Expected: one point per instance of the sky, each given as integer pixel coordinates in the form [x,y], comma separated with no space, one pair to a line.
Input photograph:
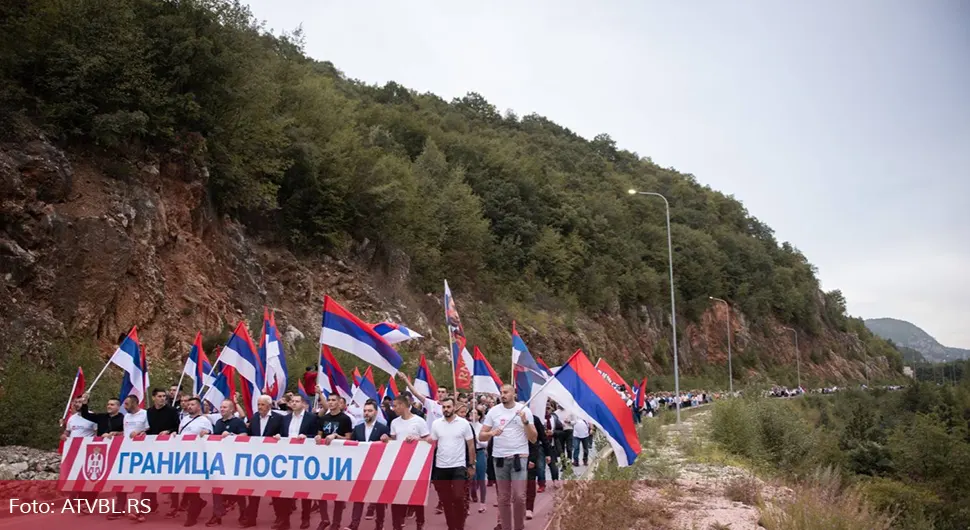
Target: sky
[845,126]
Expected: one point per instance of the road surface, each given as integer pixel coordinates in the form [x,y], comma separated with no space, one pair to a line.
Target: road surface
[476,521]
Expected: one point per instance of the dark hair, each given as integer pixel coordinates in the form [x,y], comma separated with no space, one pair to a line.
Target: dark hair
[156,391]
[196,399]
[371,402]
[309,368]
[386,398]
[402,399]
[115,399]
[343,400]
[447,398]
[132,396]
[121,338]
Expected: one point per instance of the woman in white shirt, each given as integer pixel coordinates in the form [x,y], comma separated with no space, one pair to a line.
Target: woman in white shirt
[479,483]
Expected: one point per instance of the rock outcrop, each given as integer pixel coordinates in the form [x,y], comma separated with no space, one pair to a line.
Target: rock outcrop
[90,247]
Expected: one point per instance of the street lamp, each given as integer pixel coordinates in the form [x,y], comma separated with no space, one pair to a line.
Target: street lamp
[730,371]
[673,307]
[798,360]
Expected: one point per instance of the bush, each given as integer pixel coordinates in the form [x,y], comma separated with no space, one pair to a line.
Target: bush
[745,489]
[823,503]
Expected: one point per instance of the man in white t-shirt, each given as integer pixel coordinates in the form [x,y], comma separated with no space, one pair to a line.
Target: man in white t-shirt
[454,462]
[77,426]
[581,438]
[410,428]
[510,424]
[196,423]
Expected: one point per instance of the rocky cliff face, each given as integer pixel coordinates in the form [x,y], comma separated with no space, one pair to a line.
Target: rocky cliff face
[90,247]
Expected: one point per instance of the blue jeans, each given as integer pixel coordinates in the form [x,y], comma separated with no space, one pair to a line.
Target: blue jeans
[479,485]
[584,443]
[541,467]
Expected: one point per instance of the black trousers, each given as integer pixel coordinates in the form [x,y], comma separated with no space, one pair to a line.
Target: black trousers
[358,514]
[530,487]
[450,483]
[399,512]
[338,512]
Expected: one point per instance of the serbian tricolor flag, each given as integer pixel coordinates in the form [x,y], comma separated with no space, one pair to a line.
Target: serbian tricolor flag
[271,350]
[131,358]
[461,360]
[642,393]
[395,333]
[302,391]
[366,389]
[528,375]
[341,329]
[197,366]
[390,391]
[331,377]
[580,389]
[544,366]
[240,353]
[612,377]
[424,382]
[223,385]
[485,379]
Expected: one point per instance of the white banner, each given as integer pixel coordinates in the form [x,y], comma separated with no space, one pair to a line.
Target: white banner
[395,472]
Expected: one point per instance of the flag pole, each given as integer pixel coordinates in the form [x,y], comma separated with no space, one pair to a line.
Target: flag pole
[70,398]
[96,379]
[451,343]
[512,375]
[181,377]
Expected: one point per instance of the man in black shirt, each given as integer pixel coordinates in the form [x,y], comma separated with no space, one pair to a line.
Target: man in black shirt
[163,419]
[109,423]
[227,424]
[334,424]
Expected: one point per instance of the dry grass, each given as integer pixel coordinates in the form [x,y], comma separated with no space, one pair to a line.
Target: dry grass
[745,489]
[608,504]
[822,503]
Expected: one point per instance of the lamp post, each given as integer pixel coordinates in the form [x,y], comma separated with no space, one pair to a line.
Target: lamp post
[730,371]
[798,360]
[673,307]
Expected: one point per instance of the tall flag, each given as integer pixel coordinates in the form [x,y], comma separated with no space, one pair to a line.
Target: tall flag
[613,378]
[341,329]
[636,394]
[528,375]
[424,382]
[223,385]
[580,389]
[77,390]
[302,391]
[197,366]
[642,393]
[271,348]
[240,353]
[330,377]
[485,379]
[395,333]
[365,388]
[544,366]
[130,357]
[390,391]
[461,360]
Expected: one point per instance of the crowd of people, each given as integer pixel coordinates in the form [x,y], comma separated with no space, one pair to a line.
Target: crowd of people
[486,446]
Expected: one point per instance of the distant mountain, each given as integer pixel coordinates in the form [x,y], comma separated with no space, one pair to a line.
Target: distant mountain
[908,335]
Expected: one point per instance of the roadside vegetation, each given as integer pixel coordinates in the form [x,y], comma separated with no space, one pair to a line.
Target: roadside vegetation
[855,460]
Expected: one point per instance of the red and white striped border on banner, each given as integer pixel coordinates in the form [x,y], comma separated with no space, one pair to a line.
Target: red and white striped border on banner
[407,477]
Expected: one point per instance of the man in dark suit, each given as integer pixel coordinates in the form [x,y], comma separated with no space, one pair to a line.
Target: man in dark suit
[370,430]
[299,423]
[264,423]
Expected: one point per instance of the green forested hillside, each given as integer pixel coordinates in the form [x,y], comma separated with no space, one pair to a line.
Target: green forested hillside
[511,207]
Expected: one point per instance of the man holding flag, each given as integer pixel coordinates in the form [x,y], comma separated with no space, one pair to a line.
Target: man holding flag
[510,425]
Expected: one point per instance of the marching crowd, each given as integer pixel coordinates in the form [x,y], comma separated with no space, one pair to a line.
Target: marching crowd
[484,446]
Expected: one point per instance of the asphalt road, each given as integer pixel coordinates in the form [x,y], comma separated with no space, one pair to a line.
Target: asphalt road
[476,521]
